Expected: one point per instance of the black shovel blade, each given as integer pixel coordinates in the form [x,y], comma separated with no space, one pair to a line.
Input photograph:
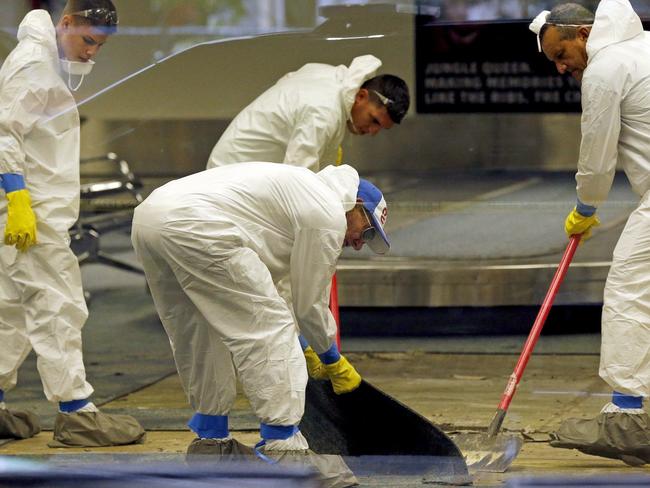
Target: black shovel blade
[368,422]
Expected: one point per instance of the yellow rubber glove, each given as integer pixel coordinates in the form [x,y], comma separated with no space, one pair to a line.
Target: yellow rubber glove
[343,376]
[315,367]
[21,221]
[579,224]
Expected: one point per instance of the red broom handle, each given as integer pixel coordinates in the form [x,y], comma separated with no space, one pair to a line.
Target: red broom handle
[536,330]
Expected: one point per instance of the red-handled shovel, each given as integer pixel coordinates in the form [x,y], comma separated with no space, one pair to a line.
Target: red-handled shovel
[493,452]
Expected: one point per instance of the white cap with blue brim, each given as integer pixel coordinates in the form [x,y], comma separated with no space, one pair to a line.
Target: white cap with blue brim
[375,204]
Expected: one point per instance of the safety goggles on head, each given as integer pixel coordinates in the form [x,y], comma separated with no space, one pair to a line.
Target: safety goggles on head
[541,20]
[369,233]
[102,15]
[385,101]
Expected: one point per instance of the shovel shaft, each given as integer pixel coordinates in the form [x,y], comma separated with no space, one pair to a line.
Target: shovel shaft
[497,420]
[536,330]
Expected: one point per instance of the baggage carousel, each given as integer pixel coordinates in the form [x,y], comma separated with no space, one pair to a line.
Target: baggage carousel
[481,239]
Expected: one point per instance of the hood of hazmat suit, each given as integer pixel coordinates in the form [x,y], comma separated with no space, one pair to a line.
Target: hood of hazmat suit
[615,105]
[301,120]
[39,128]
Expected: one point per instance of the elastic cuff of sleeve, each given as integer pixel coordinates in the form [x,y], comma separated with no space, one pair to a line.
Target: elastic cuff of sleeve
[303,342]
[12,182]
[331,355]
[626,401]
[209,426]
[73,405]
[584,209]
[277,432]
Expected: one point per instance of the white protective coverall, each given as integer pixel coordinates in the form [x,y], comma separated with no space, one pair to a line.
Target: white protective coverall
[301,120]
[41,299]
[213,245]
[616,129]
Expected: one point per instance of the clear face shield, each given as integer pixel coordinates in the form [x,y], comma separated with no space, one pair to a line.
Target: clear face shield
[369,233]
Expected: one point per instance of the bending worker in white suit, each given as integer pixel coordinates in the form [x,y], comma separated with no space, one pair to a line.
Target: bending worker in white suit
[302,119]
[609,53]
[42,303]
[213,245]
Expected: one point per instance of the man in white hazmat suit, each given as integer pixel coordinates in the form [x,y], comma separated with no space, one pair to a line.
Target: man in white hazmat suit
[41,299]
[610,55]
[302,119]
[213,245]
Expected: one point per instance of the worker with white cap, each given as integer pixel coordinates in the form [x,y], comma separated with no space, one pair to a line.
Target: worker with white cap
[213,246]
[609,53]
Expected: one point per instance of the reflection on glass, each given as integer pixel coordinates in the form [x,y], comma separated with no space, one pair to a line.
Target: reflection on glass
[184,23]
